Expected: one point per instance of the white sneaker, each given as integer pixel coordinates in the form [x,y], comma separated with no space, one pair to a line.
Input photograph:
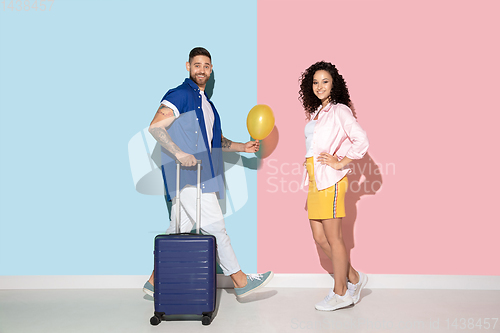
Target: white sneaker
[333,301]
[355,289]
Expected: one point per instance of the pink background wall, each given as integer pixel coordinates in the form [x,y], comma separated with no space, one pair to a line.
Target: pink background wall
[423,77]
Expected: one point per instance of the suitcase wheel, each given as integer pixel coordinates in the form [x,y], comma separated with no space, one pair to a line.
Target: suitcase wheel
[206,319]
[155,320]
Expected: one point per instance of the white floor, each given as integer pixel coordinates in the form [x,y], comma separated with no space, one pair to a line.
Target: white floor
[270,310]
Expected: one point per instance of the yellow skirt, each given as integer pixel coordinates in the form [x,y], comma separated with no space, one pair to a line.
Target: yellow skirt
[327,203]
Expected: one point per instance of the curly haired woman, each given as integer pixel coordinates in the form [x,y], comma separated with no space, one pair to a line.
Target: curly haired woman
[333,139]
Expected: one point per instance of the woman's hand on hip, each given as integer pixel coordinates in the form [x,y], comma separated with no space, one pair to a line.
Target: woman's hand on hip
[331,160]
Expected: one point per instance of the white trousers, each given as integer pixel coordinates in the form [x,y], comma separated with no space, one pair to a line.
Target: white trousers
[212,222]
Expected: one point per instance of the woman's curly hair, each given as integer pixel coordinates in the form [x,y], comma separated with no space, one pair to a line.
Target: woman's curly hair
[339,93]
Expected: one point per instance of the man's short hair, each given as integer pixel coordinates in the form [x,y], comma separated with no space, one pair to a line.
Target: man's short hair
[199,51]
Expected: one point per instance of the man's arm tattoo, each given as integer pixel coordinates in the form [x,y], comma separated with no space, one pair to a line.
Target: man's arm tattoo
[167,112]
[226,143]
[161,135]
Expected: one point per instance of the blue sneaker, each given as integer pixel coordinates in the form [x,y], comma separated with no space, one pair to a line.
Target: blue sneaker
[149,289]
[254,282]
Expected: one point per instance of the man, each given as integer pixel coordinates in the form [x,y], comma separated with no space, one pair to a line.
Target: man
[188,128]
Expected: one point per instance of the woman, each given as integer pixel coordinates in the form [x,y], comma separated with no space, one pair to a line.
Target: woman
[333,139]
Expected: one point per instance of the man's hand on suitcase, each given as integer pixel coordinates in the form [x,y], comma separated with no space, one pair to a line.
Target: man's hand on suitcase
[186,159]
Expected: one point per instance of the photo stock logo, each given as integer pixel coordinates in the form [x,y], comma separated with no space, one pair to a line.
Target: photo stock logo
[365,176]
[145,165]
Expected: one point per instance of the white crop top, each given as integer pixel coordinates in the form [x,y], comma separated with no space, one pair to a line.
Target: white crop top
[309,132]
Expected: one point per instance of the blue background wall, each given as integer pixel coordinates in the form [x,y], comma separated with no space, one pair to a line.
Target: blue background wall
[77,83]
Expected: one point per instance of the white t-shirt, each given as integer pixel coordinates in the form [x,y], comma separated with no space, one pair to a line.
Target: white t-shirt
[208,113]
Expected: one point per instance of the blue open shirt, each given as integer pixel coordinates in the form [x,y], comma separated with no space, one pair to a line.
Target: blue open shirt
[188,132]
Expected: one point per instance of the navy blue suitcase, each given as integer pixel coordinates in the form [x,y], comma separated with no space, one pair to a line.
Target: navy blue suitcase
[185,272]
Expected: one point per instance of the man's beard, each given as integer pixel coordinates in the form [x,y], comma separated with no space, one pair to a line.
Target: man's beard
[198,81]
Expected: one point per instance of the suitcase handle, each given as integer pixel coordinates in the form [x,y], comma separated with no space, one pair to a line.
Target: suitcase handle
[198,197]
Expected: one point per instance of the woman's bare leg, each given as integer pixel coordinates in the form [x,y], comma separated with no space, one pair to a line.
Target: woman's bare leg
[333,233]
[320,238]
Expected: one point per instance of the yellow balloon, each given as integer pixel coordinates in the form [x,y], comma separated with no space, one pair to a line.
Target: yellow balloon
[260,121]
